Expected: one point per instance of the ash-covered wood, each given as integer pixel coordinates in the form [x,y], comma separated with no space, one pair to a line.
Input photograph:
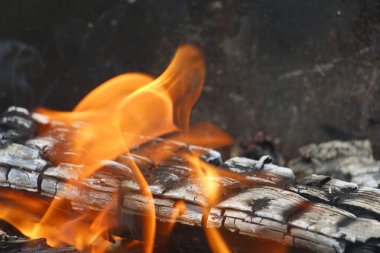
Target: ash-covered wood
[16,125]
[323,214]
[362,201]
[261,202]
[347,160]
[263,167]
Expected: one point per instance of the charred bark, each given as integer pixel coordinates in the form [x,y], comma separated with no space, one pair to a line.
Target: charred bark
[263,207]
[320,215]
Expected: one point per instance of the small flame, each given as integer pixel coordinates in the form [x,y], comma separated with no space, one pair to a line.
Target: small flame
[109,122]
[208,173]
[179,208]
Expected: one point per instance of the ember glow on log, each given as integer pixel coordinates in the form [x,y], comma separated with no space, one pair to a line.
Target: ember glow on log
[123,113]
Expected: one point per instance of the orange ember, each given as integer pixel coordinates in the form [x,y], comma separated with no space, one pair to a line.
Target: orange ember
[107,123]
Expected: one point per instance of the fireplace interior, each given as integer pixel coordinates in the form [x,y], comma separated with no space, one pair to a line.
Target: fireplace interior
[285,157]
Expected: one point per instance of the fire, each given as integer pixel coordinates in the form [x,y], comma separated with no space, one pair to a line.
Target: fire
[109,122]
[140,106]
[208,173]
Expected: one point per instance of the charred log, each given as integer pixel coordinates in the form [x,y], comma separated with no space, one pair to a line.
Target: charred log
[322,215]
[261,206]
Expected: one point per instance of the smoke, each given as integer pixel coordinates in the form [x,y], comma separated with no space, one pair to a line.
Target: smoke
[20,67]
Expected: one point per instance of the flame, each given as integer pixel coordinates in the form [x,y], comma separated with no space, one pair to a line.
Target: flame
[179,208]
[109,122]
[208,173]
[24,211]
[152,109]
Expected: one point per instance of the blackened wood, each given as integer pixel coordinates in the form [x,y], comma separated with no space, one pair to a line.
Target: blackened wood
[16,124]
[260,201]
[321,215]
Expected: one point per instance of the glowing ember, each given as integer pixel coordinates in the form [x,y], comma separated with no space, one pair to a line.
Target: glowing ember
[107,123]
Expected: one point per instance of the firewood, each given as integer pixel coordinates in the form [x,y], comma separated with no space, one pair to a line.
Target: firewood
[321,214]
[259,203]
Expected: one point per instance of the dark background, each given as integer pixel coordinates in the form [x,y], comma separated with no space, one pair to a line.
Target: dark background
[302,71]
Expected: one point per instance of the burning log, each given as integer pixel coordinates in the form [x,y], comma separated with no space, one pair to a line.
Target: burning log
[262,203]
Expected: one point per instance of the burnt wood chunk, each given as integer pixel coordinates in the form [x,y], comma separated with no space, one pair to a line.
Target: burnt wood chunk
[361,201]
[16,124]
[23,179]
[262,168]
[21,156]
[346,160]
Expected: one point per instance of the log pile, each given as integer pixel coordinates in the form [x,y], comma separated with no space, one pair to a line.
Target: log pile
[263,205]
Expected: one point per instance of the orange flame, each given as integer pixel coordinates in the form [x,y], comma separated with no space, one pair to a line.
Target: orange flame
[109,122]
[148,108]
[208,173]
